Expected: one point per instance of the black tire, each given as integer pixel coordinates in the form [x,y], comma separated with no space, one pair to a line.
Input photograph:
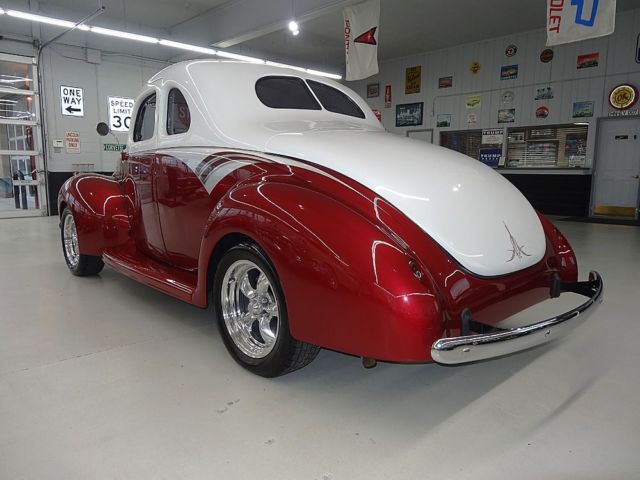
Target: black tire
[287,354]
[86,264]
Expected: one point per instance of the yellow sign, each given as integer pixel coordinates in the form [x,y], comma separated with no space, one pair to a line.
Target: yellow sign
[413,80]
[623,96]
[474,67]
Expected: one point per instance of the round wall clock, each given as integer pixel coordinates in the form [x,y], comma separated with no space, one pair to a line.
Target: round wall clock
[623,96]
[511,50]
[546,55]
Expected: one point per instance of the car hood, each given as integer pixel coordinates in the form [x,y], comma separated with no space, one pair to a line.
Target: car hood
[473,212]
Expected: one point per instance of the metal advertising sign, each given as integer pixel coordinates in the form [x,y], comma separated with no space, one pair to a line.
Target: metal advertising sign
[72,142]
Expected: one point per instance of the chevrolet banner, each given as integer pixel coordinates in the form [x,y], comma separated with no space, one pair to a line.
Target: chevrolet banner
[575,20]
[361,39]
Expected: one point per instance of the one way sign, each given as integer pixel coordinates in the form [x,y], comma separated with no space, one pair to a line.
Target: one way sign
[72,101]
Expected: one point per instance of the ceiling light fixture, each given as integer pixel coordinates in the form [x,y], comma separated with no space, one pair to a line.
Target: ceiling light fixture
[235,56]
[41,19]
[186,46]
[127,35]
[294,28]
[168,43]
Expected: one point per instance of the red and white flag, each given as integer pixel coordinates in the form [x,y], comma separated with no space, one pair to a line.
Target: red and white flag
[575,20]
[361,23]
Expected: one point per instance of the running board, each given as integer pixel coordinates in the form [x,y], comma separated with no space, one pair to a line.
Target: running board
[172,281]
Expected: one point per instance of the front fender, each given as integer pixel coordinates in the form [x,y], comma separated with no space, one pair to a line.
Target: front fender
[99,210]
[348,285]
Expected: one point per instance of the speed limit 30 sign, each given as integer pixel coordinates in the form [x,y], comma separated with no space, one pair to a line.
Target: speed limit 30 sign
[120,110]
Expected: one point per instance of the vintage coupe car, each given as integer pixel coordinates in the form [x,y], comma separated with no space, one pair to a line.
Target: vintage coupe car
[276,197]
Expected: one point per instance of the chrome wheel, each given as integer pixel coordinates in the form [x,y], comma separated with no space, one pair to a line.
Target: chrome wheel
[250,309]
[70,241]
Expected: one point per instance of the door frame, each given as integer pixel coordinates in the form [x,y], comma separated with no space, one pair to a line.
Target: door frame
[418,130]
[594,167]
[40,182]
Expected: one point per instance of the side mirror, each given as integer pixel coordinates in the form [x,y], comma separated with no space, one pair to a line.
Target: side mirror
[102,129]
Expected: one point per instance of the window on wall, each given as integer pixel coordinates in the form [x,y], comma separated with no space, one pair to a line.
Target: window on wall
[146,119]
[555,146]
[464,141]
[178,115]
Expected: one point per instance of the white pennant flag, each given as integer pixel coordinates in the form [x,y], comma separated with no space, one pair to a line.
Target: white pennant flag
[361,23]
[574,20]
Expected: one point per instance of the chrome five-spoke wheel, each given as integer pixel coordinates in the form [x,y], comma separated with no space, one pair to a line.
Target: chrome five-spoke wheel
[252,313]
[70,241]
[250,309]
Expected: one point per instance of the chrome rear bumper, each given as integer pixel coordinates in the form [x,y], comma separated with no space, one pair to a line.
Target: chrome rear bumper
[471,348]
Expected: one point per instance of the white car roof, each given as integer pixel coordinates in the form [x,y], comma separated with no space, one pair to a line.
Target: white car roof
[226,111]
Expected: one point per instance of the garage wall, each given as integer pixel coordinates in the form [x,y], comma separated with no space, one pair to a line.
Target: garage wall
[617,64]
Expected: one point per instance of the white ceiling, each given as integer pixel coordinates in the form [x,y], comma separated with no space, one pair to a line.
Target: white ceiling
[406,26]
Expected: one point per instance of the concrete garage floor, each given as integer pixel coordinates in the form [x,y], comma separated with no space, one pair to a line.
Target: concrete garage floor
[104,378]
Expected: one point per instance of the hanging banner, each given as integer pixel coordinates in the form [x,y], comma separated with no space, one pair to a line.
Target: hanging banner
[575,20]
[361,39]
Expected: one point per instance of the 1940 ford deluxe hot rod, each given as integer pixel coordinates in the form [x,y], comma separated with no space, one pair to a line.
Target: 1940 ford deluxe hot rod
[277,198]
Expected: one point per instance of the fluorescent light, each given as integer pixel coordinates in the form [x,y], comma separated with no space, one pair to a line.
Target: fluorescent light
[235,56]
[84,28]
[186,46]
[284,65]
[295,33]
[1,11]
[323,74]
[39,18]
[581,123]
[127,35]
[293,25]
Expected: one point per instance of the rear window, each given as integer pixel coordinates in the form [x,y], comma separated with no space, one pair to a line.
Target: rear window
[285,92]
[334,100]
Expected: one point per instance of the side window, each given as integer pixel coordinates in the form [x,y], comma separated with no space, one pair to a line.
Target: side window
[334,100]
[178,115]
[146,120]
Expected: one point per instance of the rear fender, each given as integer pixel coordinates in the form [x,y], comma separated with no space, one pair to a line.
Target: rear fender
[99,210]
[349,286]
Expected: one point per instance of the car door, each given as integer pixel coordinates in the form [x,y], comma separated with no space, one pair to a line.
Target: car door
[140,185]
[183,203]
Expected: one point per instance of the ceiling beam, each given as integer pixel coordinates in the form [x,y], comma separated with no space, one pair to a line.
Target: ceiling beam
[239,21]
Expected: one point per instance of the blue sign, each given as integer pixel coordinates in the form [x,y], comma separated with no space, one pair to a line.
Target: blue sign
[490,156]
[587,22]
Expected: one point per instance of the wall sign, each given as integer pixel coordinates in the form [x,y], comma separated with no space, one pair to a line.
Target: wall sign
[445,82]
[473,101]
[443,120]
[72,142]
[120,110]
[546,55]
[409,114]
[508,72]
[545,93]
[387,96]
[493,136]
[113,147]
[511,50]
[507,97]
[72,101]
[582,109]
[506,115]
[623,96]
[474,67]
[413,80]
[542,112]
[490,156]
[472,118]
[373,90]
[588,60]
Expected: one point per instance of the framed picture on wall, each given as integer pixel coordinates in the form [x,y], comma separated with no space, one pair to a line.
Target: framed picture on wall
[373,90]
[409,114]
